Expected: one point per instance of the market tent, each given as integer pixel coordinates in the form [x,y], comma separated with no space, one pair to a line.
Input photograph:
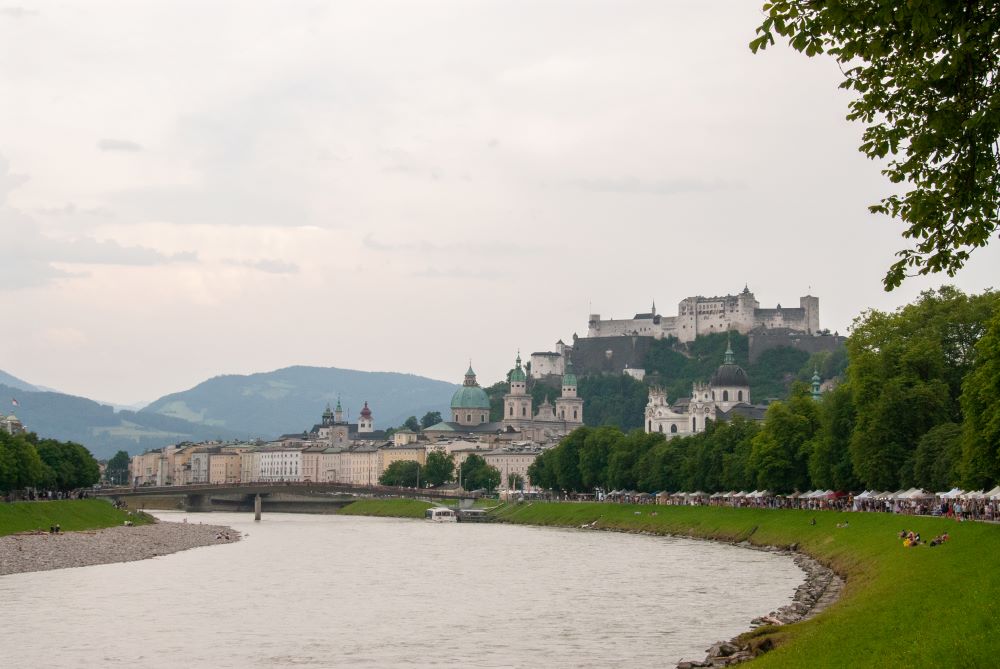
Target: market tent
[993,494]
[951,494]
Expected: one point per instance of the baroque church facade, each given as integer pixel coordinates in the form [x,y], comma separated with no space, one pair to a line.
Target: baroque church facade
[727,394]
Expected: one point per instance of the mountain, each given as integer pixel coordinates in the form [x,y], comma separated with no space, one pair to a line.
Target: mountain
[292,399]
[12,381]
[99,427]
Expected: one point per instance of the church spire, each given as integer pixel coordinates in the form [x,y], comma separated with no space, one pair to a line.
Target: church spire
[730,357]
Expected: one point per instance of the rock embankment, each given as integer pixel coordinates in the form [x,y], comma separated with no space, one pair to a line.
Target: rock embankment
[42,551]
[820,589]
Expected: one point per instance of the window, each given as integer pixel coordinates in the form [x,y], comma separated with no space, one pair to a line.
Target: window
[694,423]
[661,429]
[673,428]
[511,409]
[468,418]
[725,395]
[574,414]
[524,411]
[739,396]
[649,426]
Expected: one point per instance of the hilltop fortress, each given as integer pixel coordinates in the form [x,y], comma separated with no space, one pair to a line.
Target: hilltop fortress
[707,315]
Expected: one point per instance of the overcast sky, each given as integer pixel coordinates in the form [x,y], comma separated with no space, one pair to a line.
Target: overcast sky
[189,189]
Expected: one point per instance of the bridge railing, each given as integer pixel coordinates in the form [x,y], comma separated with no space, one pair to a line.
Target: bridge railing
[282,485]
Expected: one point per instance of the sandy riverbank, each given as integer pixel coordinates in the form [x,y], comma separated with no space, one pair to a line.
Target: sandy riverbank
[40,552]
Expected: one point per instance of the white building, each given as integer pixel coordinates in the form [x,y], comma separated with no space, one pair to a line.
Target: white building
[726,395]
[283,464]
[707,315]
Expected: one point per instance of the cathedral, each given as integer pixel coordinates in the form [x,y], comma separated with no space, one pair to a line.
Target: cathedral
[727,394]
[470,410]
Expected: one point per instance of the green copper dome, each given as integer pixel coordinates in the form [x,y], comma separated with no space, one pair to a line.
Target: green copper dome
[569,378]
[470,397]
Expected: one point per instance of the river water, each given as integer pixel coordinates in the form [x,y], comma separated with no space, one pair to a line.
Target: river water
[335,591]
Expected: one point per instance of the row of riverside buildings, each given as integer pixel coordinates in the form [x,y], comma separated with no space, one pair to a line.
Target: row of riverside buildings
[338,451]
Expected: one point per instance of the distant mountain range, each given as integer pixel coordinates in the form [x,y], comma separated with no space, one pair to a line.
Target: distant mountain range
[293,399]
[261,405]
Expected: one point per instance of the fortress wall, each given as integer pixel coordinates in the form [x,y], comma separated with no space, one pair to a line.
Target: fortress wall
[597,355]
[764,341]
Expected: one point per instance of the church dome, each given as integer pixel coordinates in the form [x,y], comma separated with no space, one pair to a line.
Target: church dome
[470,397]
[517,374]
[730,375]
[366,412]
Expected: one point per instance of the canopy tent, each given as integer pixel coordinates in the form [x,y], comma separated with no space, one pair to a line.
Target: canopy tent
[951,494]
[993,494]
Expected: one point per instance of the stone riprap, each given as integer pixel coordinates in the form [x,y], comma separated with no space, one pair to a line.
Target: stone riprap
[41,552]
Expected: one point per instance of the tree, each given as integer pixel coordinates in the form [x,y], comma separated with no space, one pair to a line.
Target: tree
[440,468]
[938,458]
[20,466]
[981,407]
[401,473]
[927,75]
[515,482]
[117,469]
[780,451]
[906,372]
[478,475]
[430,418]
[830,464]
[412,424]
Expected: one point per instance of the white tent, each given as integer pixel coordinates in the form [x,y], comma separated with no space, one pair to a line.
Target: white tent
[951,494]
[993,494]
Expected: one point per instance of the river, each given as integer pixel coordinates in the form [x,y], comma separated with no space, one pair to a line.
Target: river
[335,591]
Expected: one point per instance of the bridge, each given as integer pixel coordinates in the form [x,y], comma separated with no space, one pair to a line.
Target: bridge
[284,496]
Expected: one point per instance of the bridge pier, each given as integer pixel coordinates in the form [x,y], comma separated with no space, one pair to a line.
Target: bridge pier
[256,507]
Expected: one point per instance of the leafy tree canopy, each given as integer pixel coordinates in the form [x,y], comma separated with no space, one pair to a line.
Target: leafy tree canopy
[430,418]
[401,473]
[440,468]
[927,78]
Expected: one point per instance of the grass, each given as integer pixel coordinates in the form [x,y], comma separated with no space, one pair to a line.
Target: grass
[912,607]
[397,508]
[70,515]
[917,607]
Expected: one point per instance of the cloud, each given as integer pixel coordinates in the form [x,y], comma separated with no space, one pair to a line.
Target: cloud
[71,209]
[29,256]
[492,248]
[17,12]
[118,145]
[631,185]
[457,273]
[267,265]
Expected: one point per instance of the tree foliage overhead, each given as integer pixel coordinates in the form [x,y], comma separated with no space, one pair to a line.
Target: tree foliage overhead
[927,78]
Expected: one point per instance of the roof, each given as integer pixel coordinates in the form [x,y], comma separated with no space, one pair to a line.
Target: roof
[749,411]
[550,354]
[451,426]
[730,375]
[470,397]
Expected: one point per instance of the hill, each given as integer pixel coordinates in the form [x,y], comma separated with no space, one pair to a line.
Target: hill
[12,381]
[292,399]
[100,428]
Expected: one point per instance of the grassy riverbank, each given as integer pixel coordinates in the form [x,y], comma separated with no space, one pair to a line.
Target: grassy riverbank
[916,607]
[70,515]
[396,508]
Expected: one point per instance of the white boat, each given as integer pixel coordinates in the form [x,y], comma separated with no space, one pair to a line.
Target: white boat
[439,514]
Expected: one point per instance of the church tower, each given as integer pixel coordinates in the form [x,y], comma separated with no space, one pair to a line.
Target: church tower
[366,423]
[816,392]
[338,414]
[328,416]
[517,407]
[569,407]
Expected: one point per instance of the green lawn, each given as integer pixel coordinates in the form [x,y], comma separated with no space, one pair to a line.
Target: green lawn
[901,607]
[71,515]
[397,508]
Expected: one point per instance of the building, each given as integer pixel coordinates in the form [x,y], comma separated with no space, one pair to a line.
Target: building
[512,462]
[280,464]
[727,394]
[11,425]
[224,467]
[550,422]
[707,315]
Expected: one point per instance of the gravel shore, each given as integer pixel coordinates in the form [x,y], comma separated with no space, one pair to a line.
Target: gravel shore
[40,552]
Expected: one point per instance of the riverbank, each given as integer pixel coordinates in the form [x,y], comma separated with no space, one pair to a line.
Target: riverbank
[70,515]
[899,606]
[91,532]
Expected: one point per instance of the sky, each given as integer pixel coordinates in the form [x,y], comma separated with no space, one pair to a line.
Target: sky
[190,189]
